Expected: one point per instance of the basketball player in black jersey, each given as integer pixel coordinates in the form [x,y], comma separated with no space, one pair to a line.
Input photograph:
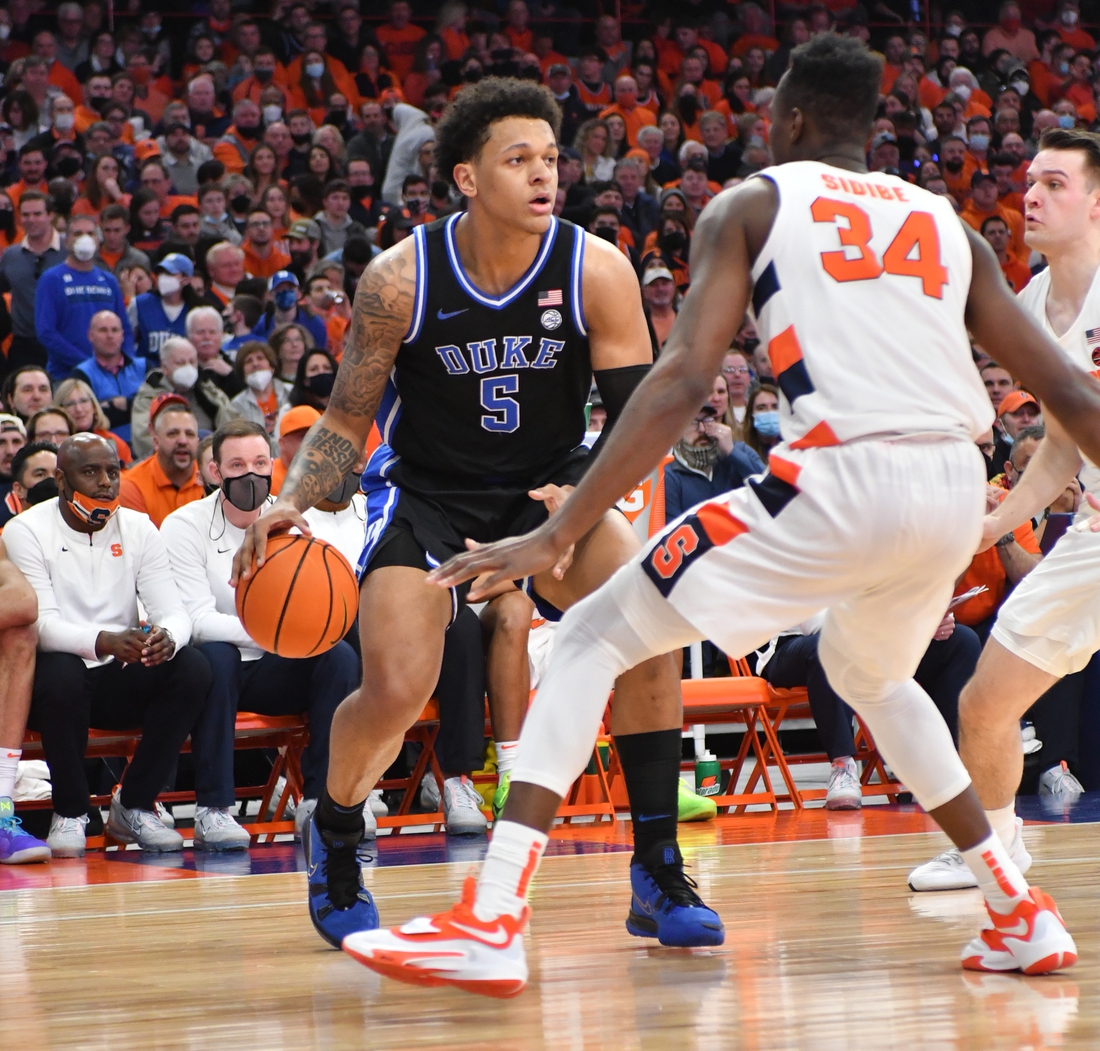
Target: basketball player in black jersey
[473,344]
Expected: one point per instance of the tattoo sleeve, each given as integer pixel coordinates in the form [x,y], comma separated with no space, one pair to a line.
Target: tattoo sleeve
[380,319]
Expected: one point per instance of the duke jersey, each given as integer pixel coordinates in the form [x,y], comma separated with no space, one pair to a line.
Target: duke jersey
[859,294]
[1081,341]
[489,389]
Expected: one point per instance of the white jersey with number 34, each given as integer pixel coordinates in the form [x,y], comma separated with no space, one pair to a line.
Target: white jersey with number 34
[859,293]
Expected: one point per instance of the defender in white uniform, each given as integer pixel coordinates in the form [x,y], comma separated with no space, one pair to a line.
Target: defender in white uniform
[863,288]
[1050,625]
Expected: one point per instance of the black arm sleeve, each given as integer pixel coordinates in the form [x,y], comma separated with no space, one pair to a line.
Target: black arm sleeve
[615,387]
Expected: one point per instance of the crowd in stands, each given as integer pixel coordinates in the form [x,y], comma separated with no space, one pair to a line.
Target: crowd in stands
[188,198]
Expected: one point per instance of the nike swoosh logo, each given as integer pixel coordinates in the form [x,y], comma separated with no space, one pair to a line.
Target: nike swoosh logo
[1018,930]
[453,313]
[225,551]
[652,817]
[498,938]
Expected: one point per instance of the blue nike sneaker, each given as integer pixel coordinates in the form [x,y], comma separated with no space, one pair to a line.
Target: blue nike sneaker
[339,904]
[665,905]
[18,847]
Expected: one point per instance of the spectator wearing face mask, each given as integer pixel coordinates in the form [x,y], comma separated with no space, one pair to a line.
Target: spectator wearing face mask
[70,295]
[265,394]
[314,380]
[32,479]
[235,146]
[178,374]
[283,308]
[161,313]
[761,428]
[706,461]
[201,539]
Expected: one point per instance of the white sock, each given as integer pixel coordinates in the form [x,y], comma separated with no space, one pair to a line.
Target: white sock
[9,770]
[1003,822]
[513,857]
[506,756]
[998,877]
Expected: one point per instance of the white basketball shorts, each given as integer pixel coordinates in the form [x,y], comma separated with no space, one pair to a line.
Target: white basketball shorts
[874,531]
[1052,618]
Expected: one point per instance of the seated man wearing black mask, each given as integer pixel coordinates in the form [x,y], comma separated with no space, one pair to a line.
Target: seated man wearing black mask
[32,479]
[235,147]
[202,538]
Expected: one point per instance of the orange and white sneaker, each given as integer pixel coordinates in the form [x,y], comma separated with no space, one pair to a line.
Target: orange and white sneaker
[1032,938]
[451,948]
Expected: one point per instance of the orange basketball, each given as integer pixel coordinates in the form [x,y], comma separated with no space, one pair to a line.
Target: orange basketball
[302,600]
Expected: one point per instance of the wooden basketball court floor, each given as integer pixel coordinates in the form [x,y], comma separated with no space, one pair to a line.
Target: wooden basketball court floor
[826,949]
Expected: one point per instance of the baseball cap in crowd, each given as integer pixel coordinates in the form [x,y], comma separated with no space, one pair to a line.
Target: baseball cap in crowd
[979,177]
[558,67]
[1016,400]
[161,400]
[9,422]
[881,139]
[300,418]
[175,126]
[175,263]
[305,228]
[569,153]
[654,273]
[282,277]
[145,149]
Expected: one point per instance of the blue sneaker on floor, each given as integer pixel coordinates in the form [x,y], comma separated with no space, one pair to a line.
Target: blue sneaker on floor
[664,903]
[16,846]
[339,904]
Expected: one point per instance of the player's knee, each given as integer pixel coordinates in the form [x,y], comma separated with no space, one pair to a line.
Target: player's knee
[981,707]
[860,688]
[512,616]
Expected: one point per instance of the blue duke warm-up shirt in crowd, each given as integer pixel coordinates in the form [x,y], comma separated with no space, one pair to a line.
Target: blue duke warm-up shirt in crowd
[65,302]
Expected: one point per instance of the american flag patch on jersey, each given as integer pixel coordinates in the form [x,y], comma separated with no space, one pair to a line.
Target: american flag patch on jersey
[553,298]
[1092,336]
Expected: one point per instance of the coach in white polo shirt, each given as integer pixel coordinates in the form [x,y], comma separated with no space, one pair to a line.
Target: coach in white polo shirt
[202,537]
[89,561]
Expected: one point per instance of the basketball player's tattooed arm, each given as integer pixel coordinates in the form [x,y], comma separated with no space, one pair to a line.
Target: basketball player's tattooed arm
[1070,397]
[727,238]
[334,445]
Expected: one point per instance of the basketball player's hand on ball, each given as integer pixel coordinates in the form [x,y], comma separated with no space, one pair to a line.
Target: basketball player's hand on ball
[278,518]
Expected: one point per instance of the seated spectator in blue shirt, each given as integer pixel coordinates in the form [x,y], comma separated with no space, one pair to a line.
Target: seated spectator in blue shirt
[706,463]
[112,375]
[240,316]
[70,294]
[283,308]
[161,313]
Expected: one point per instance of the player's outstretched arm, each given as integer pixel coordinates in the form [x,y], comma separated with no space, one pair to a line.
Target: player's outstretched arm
[1015,341]
[380,320]
[727,238]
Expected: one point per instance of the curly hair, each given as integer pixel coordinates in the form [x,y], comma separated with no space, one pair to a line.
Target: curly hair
[836,79]
[465,126]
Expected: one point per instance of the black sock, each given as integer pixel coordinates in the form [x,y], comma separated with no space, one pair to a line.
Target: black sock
[651,767]
[343,820]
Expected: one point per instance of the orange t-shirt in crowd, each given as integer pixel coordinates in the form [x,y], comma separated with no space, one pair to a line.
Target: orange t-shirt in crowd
[269,406]
[958,185]
[278,475]
[1077,38]
[145,487]
[399,45]
[110,258]
[1014,200]
[1016,274]
[635,119]
[552,58]
[890,73]
[591,98]
[1042,80]
[1013,220]
[987,569]
[930,94]
[17,189]
[251,88]
[63,78]
[523,39]
[258,266]
[454,43]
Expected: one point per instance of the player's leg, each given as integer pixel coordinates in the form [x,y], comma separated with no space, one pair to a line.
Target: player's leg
[869,663]
[647,722]
[506,623]
[18,640]
[1048,628]
[402,622]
